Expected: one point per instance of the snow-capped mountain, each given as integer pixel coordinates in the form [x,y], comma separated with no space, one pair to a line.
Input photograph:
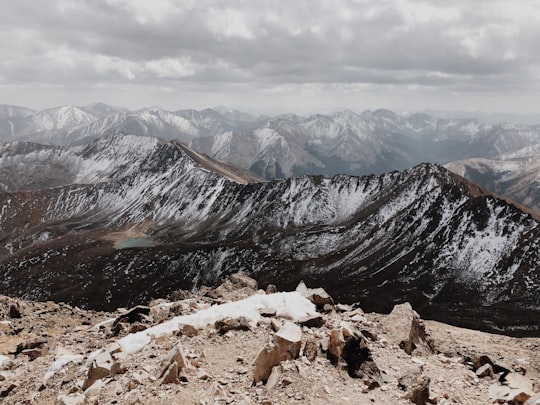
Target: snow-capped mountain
[371,142]
[515,174]
[14,111]
[45,126]
[136,217]
[102,110]
[290,145]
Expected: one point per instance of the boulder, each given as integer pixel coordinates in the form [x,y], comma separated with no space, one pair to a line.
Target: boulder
[346,344]
[316,295]
[29,345]
[94,390]
[519,382]
[485,371]
[360,363]
[225,325]
[274,377]
[508,394]
[311,348]
[180,295]
[405,328]
[242,280]
[238,286]
[174,362]
[15,310]
[104,365]
[170,375]
[135,314]
[480,360]
[36,352]
[312,321]
[369,334]
[271,289]
[176,355]
[6,328]
[406,381]
[285,345]
[336,342]
[187,330]
[133,398]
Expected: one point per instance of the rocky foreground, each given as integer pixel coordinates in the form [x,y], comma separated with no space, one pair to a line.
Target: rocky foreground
[239,345]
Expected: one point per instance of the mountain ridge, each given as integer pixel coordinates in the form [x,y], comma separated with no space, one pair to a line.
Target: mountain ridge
[424,235]
[291,145]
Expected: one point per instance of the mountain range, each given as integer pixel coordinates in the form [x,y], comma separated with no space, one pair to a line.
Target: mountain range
[124,218]
[344,142]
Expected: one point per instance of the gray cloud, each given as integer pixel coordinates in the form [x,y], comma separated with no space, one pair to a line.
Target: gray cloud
[223,50]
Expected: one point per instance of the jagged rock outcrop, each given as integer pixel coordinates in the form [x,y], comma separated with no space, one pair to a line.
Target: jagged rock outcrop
[87,363]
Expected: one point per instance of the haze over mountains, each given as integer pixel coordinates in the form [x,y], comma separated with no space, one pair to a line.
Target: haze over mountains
[373,142]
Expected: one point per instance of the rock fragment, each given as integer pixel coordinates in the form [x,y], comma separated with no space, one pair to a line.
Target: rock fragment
[105,364]
[242,280]
[347,344]
[271,289]
[316,295]
[408,380]
[170,375]
[285,345]
[311,348]
[419,391]
[172,364]
[534,400]
[312,321]
[135,314]
[406,329]
[72,399]
[485,371]
[225,325]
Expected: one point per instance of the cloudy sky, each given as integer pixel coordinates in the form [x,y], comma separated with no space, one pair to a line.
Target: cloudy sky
[301,55]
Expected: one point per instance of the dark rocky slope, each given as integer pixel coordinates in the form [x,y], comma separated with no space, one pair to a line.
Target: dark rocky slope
[424,235]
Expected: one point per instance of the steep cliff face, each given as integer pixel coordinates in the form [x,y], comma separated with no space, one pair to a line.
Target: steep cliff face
[135,218]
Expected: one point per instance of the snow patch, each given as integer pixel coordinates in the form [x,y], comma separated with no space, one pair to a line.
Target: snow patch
[3,360]
[290,305]
[60,363]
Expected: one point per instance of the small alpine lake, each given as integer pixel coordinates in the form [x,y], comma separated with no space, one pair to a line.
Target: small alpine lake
[134,242]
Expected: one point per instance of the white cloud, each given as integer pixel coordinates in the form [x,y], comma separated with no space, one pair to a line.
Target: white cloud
[214,48]
[229,23]
[170,68]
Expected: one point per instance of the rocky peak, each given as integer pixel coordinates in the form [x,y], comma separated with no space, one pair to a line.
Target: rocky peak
[178,350]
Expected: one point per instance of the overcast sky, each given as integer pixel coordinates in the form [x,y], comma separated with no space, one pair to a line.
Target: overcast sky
[294,55]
